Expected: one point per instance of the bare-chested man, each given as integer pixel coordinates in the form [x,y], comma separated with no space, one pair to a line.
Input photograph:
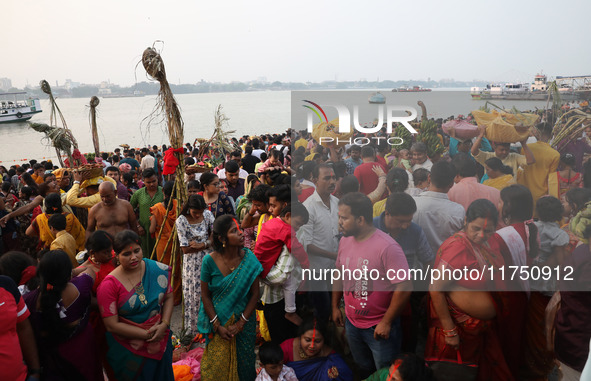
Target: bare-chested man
[111,214]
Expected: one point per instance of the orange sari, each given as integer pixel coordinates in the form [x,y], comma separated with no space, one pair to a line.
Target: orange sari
[164,252]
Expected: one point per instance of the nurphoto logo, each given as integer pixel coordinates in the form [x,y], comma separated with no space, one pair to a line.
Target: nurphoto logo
[348,114]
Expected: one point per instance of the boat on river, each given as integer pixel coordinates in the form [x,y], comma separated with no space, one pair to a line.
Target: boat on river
[17,107]
[377,98]
[414,89]
[536,91]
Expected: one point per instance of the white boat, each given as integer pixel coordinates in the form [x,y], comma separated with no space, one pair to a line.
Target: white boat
[16,107]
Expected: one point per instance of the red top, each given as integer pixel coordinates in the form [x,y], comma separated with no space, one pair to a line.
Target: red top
[274,234]
[368,180]
[13,310]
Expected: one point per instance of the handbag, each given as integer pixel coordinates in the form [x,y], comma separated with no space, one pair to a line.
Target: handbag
[451,371]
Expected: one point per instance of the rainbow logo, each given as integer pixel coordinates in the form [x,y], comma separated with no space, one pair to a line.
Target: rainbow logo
[316,111]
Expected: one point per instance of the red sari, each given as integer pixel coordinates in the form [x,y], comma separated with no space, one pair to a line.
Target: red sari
[512,323]
[479,338]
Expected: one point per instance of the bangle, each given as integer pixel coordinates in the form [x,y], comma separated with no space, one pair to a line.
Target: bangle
[450,332]
[243,317]
[166,322]
[76,182]
[214,319]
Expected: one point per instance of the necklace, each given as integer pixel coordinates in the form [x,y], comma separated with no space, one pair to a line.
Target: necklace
[303,354]
[139,289]
[228,266]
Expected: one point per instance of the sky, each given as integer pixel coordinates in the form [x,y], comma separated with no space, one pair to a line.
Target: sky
[301,41]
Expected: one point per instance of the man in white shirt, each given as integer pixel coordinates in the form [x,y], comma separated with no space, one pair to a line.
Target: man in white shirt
[320,236]
[234,156]
[439,217]
[147,159]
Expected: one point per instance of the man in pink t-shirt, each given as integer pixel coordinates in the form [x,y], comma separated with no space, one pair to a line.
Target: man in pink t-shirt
[374,296]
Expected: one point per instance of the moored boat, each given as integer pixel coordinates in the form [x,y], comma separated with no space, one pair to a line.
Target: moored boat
[414,89]
[16,107]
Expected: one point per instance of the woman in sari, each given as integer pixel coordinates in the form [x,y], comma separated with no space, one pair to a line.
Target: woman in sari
[462,332]
[217,202]
[59,316]
[243,205]
[230,291]
[311,358]
[40,225]
[499,175]
[518,244]
[160,217]
[136,303]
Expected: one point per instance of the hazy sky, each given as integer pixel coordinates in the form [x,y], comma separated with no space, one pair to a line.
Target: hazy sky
[299,41]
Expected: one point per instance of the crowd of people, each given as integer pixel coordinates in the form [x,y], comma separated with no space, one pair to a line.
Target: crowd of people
[91,271]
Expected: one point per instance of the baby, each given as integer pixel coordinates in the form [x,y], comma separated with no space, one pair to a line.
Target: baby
[404,157]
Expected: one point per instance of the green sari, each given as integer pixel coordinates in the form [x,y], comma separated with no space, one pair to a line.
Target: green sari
[235,359]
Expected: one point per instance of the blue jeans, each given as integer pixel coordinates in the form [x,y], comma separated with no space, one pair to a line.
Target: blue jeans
[371,354]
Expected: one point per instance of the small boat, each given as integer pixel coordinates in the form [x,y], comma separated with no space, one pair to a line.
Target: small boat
[16,107]
[414,89]
[377,98]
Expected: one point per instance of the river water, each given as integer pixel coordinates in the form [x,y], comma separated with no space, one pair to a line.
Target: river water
[125,120]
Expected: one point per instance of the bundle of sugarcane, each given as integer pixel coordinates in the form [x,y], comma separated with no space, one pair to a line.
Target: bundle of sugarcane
[94,102]
[61,138]
[154,65]
[568,127]
[221,138]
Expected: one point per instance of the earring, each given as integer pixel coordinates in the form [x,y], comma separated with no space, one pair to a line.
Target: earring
[224,244]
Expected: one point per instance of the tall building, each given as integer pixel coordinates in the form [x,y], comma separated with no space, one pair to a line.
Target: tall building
[5,84]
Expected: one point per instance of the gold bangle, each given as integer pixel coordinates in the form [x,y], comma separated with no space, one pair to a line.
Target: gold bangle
[166,322]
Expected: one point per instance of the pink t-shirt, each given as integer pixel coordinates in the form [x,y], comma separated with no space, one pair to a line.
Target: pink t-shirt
[367,297]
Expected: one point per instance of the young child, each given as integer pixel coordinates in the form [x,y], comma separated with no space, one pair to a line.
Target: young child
[271,356]
[421,181]
[404,158]
[63,240]
[553,241]
[274,244]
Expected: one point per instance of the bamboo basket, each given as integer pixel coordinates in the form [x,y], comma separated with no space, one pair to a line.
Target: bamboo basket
[88,171]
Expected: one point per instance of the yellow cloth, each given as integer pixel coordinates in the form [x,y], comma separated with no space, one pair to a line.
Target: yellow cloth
[379,207]
[219,360]
[37,179]
[500,182]
[88,202]
[535,176]
[73,226]
[553,185]
[59,173]
[301,143]
[513,160]
[310,157]
[64,241]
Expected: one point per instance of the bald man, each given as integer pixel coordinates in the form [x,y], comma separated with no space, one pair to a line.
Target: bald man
[110,214]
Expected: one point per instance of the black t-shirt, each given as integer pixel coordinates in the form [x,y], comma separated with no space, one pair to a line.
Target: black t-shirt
[249,162]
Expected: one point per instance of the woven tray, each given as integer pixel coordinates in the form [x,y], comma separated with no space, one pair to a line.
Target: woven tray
[89,171]
[190,169]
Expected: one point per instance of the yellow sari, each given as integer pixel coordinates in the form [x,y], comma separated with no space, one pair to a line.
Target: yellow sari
[73,226]
[500,182]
